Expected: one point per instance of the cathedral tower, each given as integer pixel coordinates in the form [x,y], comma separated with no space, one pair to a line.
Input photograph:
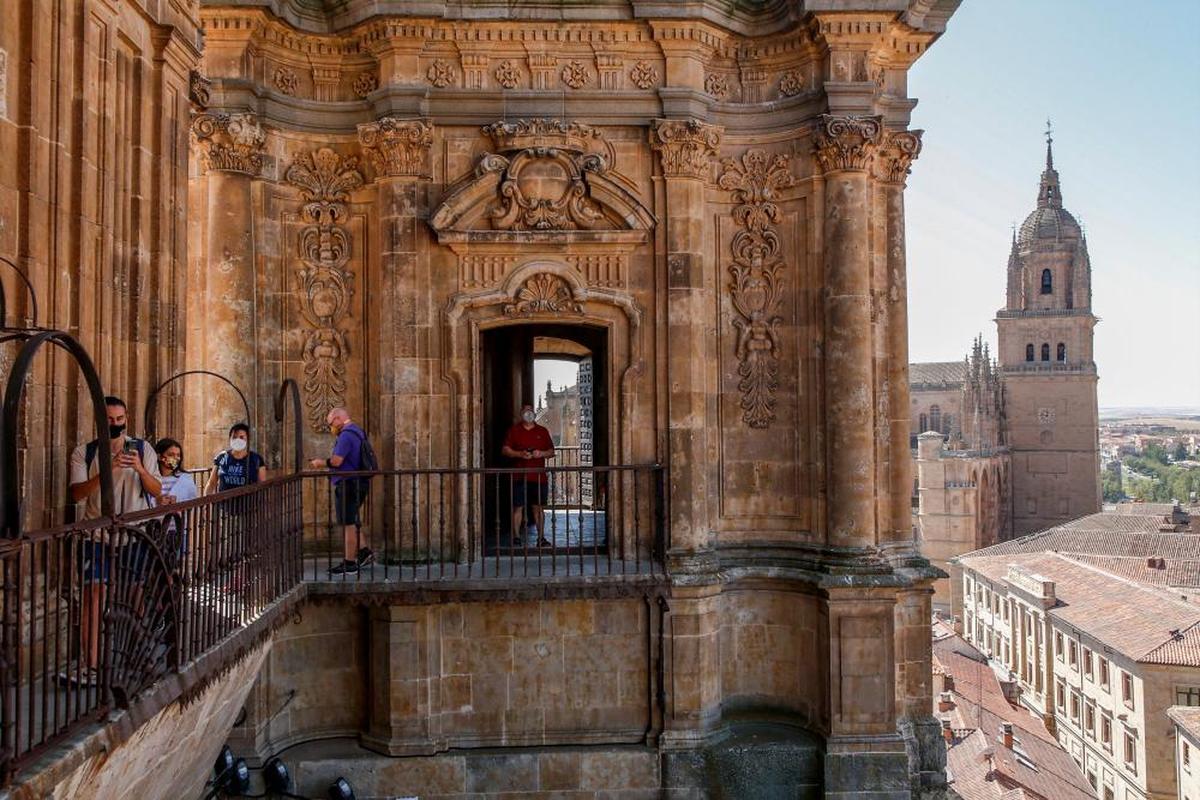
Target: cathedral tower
[1045,334]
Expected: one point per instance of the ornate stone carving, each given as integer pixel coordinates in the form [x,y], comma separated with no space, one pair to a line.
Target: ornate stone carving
[326,286]
[199,88]
[285,80]
[643,76]
[365,83]
[543,293]
[791,84]
[507,75]
[686,146]
[757,287]
[576,75]
[441,73]
[846,143]
[397,147]
[232,142]
[716,85]
[896,154]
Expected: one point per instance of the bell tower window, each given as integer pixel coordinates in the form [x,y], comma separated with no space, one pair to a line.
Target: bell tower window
[935,418]
[1045,351]
[1047,282]
[1062,352]
[1029,352]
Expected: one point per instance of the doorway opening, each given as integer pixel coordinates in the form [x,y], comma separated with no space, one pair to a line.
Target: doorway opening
[562,371]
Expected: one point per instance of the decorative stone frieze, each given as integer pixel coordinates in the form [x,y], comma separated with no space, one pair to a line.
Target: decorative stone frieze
[717,85]
[230,142]
[522,134]
[791,84]
[609,67]
[199,89]
[507,75]
[576,74]
[397,147]
[757,271]
[286,80]
[643,76]
[365,83]
[441,73]
[847,143]
[543,293]
[686,147]
[896,153]
[326,287]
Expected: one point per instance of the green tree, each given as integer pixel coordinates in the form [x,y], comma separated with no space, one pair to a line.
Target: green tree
[1181,453]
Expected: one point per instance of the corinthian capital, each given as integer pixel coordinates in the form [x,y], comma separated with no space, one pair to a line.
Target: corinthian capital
[896,154]
[397,147]
[230,142]
[846,143]
[686,146]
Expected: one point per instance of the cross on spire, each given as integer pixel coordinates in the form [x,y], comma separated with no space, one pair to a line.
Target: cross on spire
[1049,142]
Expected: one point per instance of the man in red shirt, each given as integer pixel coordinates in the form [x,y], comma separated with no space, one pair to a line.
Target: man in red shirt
[529,445]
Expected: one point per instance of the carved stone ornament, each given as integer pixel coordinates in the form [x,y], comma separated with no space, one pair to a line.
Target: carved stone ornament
[757,287]
[365,83]
[576,75]
[199,89]
[791,84]
[507,75]
[231,142]
[847,143]
[397,147]
[686,147]
[896,154]
[441,73]
[543,293]
[326,286]
[716,85]
[643,76]
[285,80]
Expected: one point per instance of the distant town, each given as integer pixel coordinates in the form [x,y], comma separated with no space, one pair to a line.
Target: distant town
[1149,455]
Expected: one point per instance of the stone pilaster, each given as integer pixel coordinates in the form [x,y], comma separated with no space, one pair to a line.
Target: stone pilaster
[399,151]
[222,323]
[845,149]
[403,692]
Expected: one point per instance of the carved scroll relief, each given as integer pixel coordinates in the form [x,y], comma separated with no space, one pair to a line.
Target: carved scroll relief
[757,288]
[326,287]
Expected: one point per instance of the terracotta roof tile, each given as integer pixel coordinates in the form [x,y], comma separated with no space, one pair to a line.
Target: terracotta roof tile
[935,373]
[1186,717]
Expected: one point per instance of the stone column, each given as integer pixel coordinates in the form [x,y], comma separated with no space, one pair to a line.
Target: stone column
[686,149]
[222,323]
[900,148]
[845,148]
[399,151]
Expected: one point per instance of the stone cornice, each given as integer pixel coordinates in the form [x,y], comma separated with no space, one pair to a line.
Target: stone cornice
[230,142]
[846,142]
[397,147]
[687,147]
[896,153]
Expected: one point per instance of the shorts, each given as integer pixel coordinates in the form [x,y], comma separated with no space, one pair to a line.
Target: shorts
[528,493]
[348,497]
[97,561]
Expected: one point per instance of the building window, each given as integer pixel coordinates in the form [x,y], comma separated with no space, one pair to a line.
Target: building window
[1106,730]
[935,419]
[1130,753]
[923,423]
[1058,645]
[1187,695]
[1060,694]
[1108,793]
[1127,688]
[1087,662]
[1075,706]
[1047,282]
[1045,351]
[1187,754]
[1062,352]
[1104,672]
[1089,718]
[1073,654]
[1029,352]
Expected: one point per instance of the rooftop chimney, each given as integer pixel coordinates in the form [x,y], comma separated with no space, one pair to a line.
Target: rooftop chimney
[1006,734]
[945,702]
[947,732]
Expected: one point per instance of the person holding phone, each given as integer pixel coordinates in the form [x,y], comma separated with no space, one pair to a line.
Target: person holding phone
[528,445]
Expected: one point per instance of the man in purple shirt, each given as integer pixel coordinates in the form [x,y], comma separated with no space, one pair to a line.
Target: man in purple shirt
[351,452]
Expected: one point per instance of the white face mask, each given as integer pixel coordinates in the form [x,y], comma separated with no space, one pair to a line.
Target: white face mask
[237,445]
[527,416]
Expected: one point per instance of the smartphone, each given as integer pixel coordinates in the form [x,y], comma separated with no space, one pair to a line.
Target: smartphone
[128,447]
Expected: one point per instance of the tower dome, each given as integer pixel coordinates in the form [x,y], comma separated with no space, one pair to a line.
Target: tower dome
[1049,221]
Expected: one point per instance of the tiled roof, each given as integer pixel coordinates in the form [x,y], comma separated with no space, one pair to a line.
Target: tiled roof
[1146,624]
[1105,533]
[1180,573]
[931,373]
[1186,717]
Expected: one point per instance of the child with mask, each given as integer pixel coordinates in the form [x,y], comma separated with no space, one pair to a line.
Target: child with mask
[237,465]
[177,485]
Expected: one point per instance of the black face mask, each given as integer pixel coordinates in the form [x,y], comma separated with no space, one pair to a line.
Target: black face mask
[115,430]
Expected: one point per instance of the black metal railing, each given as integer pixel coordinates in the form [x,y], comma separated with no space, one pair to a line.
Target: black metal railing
[93,614]
[461,524]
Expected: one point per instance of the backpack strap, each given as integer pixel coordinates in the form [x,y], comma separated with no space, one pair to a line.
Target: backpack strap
[89,454]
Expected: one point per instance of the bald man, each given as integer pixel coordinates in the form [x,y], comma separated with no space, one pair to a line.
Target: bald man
[351,451]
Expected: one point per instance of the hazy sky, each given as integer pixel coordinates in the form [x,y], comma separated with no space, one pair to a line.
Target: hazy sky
[1122,86]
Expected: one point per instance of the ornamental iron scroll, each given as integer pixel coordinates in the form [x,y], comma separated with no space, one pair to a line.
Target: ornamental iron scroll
[544,293]
[757,287]
[326,286]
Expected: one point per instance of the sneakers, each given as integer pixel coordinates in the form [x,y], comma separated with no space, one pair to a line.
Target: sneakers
[365,557]
[84,678]
[345,568]
[544,542]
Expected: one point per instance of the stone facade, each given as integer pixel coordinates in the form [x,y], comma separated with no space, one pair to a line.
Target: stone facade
[1187,740]
[356,197]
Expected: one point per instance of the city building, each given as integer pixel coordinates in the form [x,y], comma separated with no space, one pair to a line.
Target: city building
[1099,625]
[396,208]
[1187,750]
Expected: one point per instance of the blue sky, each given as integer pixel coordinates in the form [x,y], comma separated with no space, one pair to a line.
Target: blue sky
[1123,89]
